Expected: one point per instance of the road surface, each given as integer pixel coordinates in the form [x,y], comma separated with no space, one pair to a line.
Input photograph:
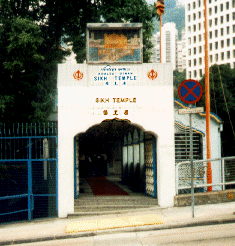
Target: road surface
[223,234]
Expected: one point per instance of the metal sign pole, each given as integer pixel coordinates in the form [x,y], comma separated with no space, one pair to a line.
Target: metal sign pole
[191,162]
[190,91]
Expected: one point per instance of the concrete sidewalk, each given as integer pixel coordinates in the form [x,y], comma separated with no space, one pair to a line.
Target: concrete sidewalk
[176,217]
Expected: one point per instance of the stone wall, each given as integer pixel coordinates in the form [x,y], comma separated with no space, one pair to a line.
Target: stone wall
[205,198]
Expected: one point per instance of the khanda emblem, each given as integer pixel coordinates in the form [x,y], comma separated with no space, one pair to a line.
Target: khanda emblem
[152,75]
[160,7]
[78,75]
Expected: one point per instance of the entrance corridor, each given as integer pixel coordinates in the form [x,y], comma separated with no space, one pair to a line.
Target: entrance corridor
[88,203]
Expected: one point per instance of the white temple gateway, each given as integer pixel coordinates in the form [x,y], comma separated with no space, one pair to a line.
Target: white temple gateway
[121,110]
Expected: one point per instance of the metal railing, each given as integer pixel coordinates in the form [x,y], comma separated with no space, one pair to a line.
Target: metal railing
[224,168]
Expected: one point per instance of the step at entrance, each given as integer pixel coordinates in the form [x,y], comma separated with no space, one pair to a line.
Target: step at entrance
[111,204]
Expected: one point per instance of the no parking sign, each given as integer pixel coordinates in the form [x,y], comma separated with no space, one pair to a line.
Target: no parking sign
[190,91]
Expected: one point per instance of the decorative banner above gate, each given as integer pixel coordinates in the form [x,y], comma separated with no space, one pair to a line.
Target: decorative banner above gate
[114,43]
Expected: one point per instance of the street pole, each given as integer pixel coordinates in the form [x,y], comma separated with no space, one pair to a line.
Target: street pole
[191,163]
[160,10]
[160,38]
[207,90]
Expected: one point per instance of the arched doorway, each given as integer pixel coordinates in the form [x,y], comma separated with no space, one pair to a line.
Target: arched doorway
[120,152]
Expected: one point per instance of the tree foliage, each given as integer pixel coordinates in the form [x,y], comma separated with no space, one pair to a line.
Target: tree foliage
[222,95]
[178,78]
[31,36]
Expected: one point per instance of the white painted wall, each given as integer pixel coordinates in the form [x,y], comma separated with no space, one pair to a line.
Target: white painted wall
[78,110]
[199,123]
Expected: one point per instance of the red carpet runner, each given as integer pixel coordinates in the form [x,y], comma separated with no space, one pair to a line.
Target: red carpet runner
[103,187]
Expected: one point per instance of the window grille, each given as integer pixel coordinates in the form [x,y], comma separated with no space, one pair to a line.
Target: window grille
[182,146]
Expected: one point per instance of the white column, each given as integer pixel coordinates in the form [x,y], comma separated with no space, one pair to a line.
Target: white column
[65,174]
[130,156]
[124,160]
[142,174]
[166,170]
[136,149]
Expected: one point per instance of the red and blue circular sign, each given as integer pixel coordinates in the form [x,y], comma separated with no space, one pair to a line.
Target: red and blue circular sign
[190,91]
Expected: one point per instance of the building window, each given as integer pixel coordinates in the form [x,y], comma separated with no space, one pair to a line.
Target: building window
[199,3]
[216,21]
[194,5]
[200,61]
[189,75]
[233,15]
[189,52]
[216,9]
[233,53]
[189,63]
[189,29]
[194,51]
[222,44]
[195,62]
[216,57]
[233,40]
[210,46]
[227,5]
[200,49]
[222,56]
[210,11]
[199,26]
[194,39]
[221,7]
[189,18]
[195,73]
[228,42]
[227,17]
[210,58]
[189,7]
[199,15]
[216,33]
[228,54]
[233,28]
[222,31]
[210,35]
[228,30]
[216,45]
[200,71]
[200,37]
[194,16]
[233,1]
[194,28]
[221,19]
[210,23]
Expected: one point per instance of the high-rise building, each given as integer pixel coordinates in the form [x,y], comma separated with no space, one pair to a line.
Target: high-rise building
[155,57]
[221,35]
[169,45]
[181,61]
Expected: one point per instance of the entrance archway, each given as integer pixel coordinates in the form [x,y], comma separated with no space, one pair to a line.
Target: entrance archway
[116,150]
[83,104]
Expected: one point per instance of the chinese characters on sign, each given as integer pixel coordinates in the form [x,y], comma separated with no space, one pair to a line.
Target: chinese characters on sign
[115,112]
[115,101]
